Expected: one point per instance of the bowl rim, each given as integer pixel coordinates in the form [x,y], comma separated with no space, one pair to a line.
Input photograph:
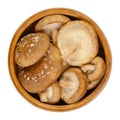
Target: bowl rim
[73,13]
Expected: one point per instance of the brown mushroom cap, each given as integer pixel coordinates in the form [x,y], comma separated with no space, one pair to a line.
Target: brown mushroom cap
[99,69]
[93,84]
[95,71]
[40,76]
[78,43]
[73,84]
[31,48]
[52,94]
[50,25]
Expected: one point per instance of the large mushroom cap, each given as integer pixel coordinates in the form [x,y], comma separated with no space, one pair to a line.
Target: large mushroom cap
[52,94]
[41,75]
[27,49]
[73,84]
[78,43]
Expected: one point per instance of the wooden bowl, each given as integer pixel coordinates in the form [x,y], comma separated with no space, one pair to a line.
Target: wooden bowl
[28,27]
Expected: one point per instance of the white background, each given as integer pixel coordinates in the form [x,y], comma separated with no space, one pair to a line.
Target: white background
[106,13]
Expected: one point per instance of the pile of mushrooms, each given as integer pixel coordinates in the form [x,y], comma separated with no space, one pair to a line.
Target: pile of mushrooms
[59,60]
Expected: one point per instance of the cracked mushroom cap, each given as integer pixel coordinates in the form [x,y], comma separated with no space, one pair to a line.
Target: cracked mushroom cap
[52,94]
[95,71]
[26,52]
[73,84]
[78,43]
[38,77]
[51,24]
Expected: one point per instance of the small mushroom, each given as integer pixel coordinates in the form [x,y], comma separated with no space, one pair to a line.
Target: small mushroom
[78,43]
[38,77]
[73,84]
[95,71]
[26,52]
[51,24]
[52,94]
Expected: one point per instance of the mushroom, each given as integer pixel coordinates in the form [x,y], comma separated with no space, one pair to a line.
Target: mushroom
[77,42]
[73,84]
[95,71]
[38,77]
[52,94]
[51,24]
[26,52]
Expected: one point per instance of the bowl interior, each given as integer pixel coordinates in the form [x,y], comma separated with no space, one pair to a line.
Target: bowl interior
[28,27]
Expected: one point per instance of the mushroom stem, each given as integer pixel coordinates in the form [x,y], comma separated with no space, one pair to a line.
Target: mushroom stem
[51,94]
[54,36]
[88,69]
[43,97]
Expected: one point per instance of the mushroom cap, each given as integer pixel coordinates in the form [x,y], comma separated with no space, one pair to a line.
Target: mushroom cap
[100,68]
[50,23]
[78,43]
[93,84]
[73,84]
[40,76]
[27,49]
[95,71]
[52,94]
